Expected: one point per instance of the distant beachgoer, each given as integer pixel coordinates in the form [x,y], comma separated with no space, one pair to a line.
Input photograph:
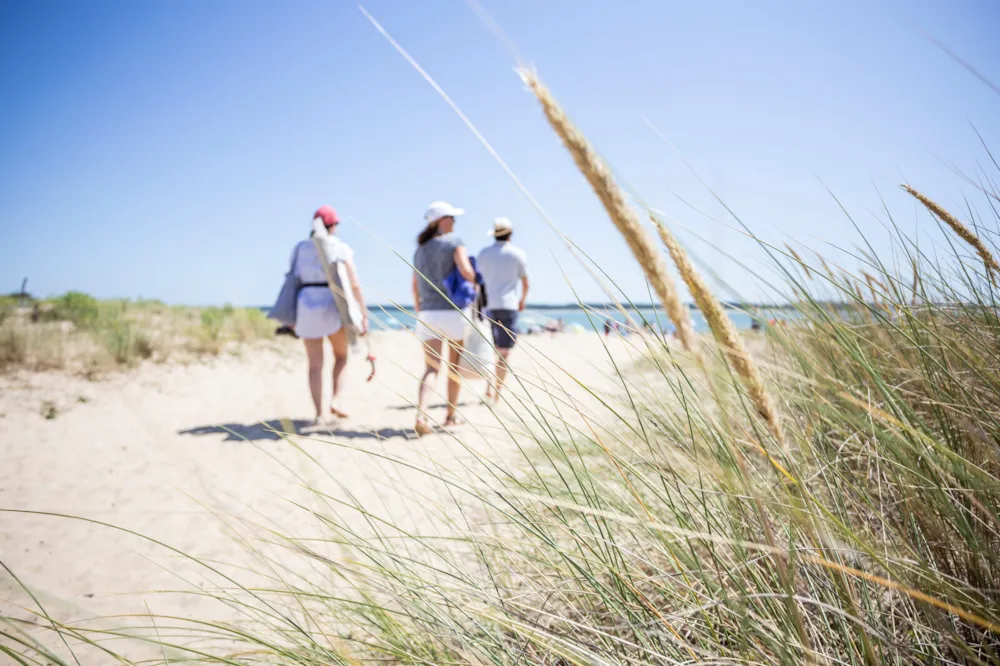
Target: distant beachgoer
[317,316]
[439,252]
[607,327]
[504,266]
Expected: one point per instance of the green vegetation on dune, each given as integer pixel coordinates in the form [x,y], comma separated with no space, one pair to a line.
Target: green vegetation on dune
[78,332]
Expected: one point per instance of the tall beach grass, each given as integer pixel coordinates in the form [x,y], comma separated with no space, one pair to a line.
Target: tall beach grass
[827,492]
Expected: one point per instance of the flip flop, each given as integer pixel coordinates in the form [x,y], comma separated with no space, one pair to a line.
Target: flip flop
[454,421]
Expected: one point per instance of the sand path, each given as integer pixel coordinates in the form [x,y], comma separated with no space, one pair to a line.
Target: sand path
[157,450]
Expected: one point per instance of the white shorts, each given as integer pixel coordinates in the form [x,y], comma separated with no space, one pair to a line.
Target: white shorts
[442,324]
[317,315]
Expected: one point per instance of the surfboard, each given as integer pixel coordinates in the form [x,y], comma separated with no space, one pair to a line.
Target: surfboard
[339,282]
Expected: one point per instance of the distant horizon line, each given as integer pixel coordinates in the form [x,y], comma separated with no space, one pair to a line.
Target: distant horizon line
[733,305]
[599,306]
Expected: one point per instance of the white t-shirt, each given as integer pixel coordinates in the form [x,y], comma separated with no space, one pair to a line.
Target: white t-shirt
[502,264]
[317,314]
[308,266]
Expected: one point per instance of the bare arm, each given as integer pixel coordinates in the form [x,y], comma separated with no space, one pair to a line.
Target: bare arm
[352,275]
[463,263]
[524,293]
[416,294]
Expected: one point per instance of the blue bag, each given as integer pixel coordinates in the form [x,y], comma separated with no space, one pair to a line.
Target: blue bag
[460,291]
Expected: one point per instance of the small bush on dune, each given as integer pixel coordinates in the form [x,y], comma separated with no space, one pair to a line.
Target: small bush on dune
[120,336]
[213,320]
[220,326]
[41,347]
[82,310]
[250,324]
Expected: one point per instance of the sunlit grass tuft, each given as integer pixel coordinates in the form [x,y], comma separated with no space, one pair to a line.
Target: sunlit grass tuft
[77,332]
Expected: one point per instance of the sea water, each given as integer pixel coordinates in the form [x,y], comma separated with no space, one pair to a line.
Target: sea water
[585,319]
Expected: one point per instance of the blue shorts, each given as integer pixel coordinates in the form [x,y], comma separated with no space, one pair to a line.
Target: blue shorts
[504,325]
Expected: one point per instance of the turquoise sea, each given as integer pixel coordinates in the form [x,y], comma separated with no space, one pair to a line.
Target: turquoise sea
[576,318]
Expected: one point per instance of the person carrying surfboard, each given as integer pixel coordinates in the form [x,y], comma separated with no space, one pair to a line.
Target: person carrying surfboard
[317,316]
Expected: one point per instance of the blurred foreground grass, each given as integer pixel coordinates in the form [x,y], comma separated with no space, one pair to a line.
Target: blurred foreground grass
[79,333]
[829,494]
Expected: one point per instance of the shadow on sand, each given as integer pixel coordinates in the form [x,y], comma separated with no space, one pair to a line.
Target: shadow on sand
[254,432]
[277,429]
[440,405]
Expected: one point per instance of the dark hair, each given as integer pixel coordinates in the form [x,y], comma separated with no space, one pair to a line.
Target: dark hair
[504,237]
[429,232]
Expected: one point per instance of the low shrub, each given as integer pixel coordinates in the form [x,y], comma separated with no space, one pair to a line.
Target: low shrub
[102,335]
[81,309]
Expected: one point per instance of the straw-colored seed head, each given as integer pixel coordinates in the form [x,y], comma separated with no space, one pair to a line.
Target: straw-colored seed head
[624,217]
[874,282]
[803,264]
[826,267]
[960,229]
[724,332]
[651,260]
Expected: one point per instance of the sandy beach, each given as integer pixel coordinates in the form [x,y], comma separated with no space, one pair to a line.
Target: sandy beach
[166,450]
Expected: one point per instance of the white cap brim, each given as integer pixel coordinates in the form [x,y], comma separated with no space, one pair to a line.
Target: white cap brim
[440,209]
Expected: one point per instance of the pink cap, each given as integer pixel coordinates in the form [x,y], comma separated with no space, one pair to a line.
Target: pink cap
[328,214]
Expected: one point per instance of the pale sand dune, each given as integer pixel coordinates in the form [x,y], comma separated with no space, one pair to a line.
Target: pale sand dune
[147,451]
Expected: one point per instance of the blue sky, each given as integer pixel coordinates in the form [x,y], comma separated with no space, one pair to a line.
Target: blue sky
[177,150]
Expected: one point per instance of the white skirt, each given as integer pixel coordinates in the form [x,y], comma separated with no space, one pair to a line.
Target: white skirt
[317,315]
[442,324]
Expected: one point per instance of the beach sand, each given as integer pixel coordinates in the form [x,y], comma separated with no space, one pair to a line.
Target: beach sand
[165,450]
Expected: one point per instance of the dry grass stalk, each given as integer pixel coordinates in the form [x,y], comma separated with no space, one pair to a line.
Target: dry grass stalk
[963,231]
[724,332]
[802,264]
[624,217]
[826,267]
[874,282]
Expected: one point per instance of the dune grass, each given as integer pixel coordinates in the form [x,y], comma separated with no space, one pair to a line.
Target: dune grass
[77,332]
[854,519]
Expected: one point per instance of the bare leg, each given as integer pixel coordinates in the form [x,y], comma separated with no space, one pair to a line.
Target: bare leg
[432,363]
[503,355]
[340,351]
[314,352]
[454,380]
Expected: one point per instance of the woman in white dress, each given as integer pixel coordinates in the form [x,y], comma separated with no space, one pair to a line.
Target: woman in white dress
[317,316]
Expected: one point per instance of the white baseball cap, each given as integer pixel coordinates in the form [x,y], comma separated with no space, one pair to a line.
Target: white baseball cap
[501,227]
[439,209]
